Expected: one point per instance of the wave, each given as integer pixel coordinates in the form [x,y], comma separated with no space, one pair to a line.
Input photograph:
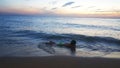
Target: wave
[88,39]
[93,27]
[106,44]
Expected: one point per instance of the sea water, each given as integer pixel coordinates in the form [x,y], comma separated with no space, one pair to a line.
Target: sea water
[96,37]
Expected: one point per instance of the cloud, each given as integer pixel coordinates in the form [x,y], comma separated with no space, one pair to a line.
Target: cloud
[92,7]
[116,10]
[76,7]
[54,8]
[68,3]
[102,10]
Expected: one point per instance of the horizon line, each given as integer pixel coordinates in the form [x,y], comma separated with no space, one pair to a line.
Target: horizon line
[60,15]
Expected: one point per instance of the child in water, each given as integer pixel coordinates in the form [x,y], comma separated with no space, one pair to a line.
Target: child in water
[71,45]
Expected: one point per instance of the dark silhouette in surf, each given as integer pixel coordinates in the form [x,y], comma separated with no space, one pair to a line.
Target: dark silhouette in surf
[71,46]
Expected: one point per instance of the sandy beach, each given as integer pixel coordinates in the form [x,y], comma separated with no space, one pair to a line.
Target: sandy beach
[58,62]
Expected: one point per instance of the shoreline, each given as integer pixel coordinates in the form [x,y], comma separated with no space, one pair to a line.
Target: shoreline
[58,62]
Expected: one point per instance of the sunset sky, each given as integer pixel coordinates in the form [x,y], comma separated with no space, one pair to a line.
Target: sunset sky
[79,8]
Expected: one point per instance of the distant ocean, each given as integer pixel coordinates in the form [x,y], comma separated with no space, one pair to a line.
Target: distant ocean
[96,37]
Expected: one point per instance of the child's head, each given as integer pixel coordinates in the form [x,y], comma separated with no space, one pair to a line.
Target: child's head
[73,42]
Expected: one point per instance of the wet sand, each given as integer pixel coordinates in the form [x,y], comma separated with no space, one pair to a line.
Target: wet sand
[58,62]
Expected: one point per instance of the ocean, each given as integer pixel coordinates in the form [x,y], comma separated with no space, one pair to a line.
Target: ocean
[96,37]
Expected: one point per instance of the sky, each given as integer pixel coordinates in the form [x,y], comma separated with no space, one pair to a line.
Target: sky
[77,8]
